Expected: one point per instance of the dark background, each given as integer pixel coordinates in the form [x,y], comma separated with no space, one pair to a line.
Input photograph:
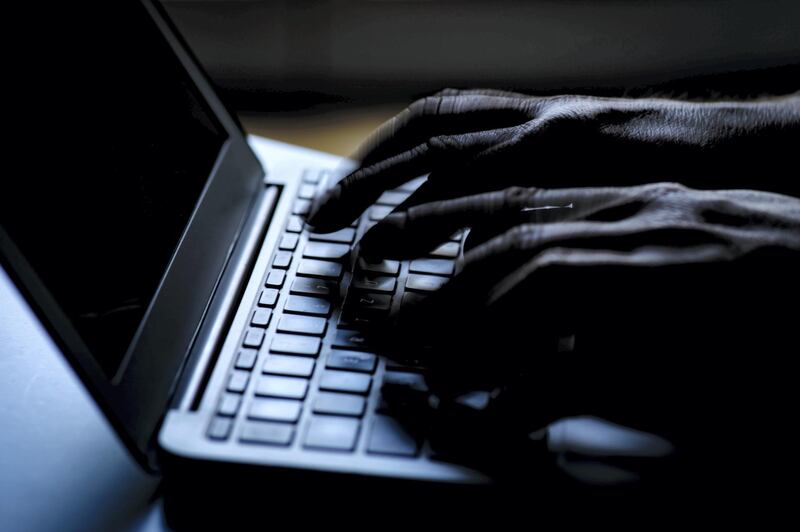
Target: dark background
[280,54]
[325,73]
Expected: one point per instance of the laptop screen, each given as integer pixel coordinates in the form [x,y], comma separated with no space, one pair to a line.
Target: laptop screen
[100,230]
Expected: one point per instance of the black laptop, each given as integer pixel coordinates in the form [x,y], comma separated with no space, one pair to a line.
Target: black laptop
[171,264]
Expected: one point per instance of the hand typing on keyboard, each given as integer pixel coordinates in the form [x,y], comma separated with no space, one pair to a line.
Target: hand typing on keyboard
[576,243]
[476,141]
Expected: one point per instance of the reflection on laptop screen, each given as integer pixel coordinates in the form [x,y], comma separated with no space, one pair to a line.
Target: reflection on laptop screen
[100,230]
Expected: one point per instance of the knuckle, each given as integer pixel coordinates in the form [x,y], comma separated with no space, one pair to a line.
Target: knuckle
[672,187]
[560,103]
[429,105]
[719,205]
[515,196]
[518,237]
[419,151]
[416,108]
[445,143]
[448,91]
[655,191]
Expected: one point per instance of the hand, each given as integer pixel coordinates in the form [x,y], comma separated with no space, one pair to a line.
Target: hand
[475,141]
[681,303]
[659,283]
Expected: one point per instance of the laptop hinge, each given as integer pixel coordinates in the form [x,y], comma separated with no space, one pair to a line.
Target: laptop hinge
[224,302]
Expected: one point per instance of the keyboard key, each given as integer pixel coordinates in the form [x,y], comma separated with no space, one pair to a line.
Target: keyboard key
[237,382]
[366,302]
[253,338]
[313,176]
[319,268]
[246,359]
[315,287]
[275,278]
[345,381]
[267,433]
[302,325]
[289,365]
[326,250]
[220,428]
[286,387]
[388,436]
[351,319]
[342,236]
[410,299]
[413,185]
[392,198]
[308,305]
[339,404]
[229,404]
[368,283]
[345,339]
[282,259]
[352,361]
[289,242]
[268,298]
[295,225]
[448,250]
[261,317]
[301,207]
[332,433]
[379,212]
[295,345]
[424,283]
[404,379]
[434,266]
[307,191]
[268,409]
[386,267]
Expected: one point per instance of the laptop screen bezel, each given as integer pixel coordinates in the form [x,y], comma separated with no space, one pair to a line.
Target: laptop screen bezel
[136,398]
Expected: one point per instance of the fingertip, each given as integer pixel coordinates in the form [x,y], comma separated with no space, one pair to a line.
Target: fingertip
[322,217]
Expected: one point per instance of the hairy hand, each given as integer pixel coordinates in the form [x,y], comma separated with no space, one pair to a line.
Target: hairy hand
[613,265]
[475,141]
[574,231]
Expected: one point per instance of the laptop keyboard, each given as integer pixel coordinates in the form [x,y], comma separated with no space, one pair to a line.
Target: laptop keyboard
[305,375]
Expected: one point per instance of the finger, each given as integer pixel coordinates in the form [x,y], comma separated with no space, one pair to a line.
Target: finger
[606,204]
[481,92]
[748,207]
[441,115]
[411,231]
[523,241]
[496,267]
[346,200]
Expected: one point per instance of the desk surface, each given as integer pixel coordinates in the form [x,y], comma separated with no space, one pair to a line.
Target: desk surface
[62,466]
[60,460]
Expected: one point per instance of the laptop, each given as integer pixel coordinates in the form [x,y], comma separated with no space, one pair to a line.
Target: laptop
[173,268]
